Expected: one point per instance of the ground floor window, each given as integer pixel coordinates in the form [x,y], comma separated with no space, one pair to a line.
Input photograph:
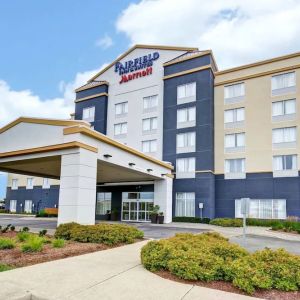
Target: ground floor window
[185,205]
[263,208]
[103,203]
[13,205]
[28,206]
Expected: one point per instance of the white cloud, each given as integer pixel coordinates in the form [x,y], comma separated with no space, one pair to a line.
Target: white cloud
[237,31]
[14,104]
[105,42]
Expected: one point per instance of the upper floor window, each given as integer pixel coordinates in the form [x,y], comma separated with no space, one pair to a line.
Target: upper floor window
[283,83]
[186,142]
[149,146]
[121,108]
[234,92]
[14,183]
[235,168]
[234,115]
[185,167]
[46,183]
[284,135]
[29,183]
[150,124]
[186,117]
[88,114]
[285,162]
[120,128]
[235,140]
[283,109]
[186,93]
[150,102]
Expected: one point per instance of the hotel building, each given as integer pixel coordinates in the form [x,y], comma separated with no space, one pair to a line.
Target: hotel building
[205,138]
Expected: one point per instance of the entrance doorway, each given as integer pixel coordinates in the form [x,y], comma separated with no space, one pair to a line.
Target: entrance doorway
[136,206]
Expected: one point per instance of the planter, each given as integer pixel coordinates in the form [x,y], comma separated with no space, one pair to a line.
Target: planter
[160,219]
[153,219]
[114,216]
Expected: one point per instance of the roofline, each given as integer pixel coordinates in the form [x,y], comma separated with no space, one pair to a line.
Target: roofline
[141,46]
[82,88]
[259,63]
[101,137]
[54,122]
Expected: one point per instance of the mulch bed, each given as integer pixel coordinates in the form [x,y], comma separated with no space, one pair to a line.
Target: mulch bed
[228,287]
[16,258]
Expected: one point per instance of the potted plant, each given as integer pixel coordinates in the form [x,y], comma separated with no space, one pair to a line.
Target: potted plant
[114,215]
[160,218]
[108,215]
[154,214]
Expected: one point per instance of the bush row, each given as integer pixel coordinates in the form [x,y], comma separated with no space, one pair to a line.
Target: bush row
[191,220]
[227,222]
[109,234]
[209,257]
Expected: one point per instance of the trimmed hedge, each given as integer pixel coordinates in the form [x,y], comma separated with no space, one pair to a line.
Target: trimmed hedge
[191,220]
[209,257]
[287,226]
[227,222]
[109,234]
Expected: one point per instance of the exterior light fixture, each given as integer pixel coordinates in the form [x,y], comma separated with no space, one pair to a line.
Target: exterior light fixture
[149,170]
[131,164]
[107,155]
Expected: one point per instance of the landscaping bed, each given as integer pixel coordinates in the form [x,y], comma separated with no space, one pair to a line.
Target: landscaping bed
[210,260]
[19,249]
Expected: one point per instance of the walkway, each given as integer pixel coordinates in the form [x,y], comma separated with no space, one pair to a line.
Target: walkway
[111,274]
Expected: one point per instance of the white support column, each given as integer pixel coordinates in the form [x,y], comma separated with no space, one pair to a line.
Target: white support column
[77,195]
[163,190]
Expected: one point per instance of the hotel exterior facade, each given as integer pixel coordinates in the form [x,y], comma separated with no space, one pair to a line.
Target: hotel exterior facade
[228,134]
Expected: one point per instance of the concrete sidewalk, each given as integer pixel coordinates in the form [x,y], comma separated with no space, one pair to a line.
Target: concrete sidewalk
[111,274]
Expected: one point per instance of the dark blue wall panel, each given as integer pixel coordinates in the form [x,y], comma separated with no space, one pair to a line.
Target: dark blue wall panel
[92,91]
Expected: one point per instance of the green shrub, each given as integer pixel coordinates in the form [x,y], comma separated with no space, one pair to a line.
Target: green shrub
[227,222]
[4,267]
[43,232]
[23,236]
[33,244]
[266,269]
[191,220]
[263,223]
[12,228]
[25,229]
[6,243]
[287,226]
[58,243]
[109,234]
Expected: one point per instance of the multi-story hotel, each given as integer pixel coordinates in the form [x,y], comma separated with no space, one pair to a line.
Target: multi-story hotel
[229,134]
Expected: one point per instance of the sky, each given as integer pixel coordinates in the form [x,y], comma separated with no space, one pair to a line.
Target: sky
[50,47]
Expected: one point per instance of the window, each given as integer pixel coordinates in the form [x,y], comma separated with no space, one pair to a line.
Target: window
[150,102]
[103,203]
[186,117]
[186,93]
[185,205]
[121,108]
[88,114]
[263,209]
[186,142]
[149,146]
[283,81]
[29,184]
[285,107]
[285,162]
[120,128]
[235,140]
[234,115]
[46,183]
[28,206]
[13,205]
[234,91]
[235,168]
[284,135]
[150,124]
[14,184]
[185,167]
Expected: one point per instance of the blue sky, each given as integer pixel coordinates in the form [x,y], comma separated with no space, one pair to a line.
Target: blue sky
[50,47]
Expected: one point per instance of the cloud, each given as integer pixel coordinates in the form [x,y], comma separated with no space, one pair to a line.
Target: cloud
[237,31]
[105,42]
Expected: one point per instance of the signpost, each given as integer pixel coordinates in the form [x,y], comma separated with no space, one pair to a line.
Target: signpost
[245,212]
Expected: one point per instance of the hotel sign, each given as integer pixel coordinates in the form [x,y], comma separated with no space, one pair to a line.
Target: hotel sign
[136,68]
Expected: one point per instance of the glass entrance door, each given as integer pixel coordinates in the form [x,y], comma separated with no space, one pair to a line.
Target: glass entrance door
[136,207]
